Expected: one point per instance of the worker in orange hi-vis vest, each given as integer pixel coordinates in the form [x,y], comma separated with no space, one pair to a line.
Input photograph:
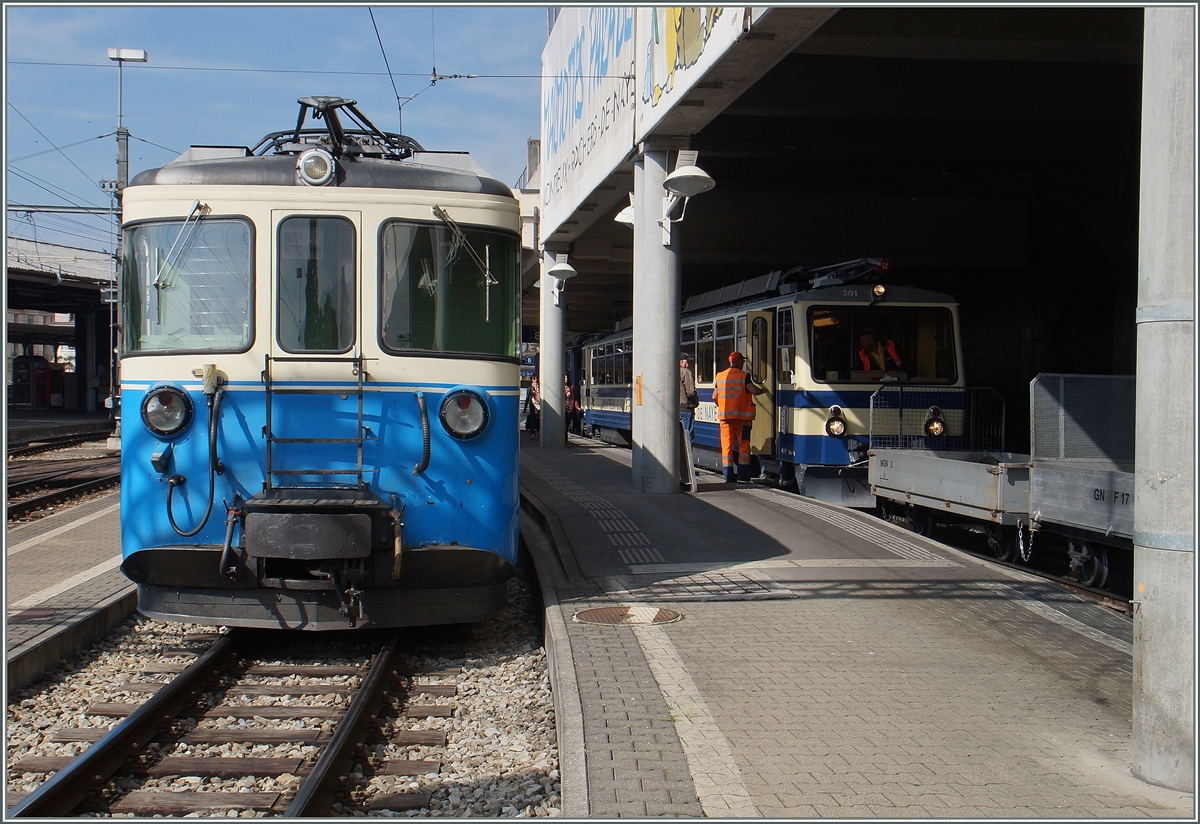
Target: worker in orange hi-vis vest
[735,410]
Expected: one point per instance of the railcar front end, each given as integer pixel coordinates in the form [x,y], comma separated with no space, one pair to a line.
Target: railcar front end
[320,384]
[809,349]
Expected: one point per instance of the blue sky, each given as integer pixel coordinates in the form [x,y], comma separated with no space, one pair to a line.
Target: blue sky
[174,101]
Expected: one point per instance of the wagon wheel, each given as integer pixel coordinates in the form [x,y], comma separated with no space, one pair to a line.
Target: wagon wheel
[1002,541]
[920,520]
[1089,563]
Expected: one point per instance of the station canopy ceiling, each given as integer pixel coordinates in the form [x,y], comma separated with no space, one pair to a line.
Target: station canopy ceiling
[832,134]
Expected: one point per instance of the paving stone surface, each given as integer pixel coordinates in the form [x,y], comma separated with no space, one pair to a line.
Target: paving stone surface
[903,679]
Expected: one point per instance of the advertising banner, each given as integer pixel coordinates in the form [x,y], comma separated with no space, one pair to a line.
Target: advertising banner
[588,94]
[676,46]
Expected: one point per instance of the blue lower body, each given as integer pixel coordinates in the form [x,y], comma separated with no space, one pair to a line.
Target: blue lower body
[457,520]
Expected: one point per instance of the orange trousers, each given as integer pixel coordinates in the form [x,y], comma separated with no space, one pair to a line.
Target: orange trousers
[735,435]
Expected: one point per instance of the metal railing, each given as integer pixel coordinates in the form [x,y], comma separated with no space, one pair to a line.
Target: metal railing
[972,418]
[359,370]
[1082,417]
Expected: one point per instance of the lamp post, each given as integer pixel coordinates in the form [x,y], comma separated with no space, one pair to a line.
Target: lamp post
[123,56]
[115,188]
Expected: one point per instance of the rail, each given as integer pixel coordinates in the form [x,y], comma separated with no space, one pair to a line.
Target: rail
[64,791]
[316,795]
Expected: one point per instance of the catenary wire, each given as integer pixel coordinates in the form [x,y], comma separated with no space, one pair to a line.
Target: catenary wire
[152,143]
[67,220]
[386,65]
[64,232]
[50,187]
[51,142]
[60,148]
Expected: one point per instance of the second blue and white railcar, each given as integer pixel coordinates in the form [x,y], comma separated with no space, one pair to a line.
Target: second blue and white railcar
[802,344]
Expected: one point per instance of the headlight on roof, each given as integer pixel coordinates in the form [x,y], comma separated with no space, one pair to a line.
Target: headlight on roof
[167,411]
[464,414]
[316,167]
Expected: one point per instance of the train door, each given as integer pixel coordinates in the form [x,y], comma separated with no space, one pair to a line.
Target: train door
[316,376]
[317,294]
[760,361]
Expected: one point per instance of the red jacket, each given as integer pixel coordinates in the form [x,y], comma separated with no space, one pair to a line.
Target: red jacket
[889,354]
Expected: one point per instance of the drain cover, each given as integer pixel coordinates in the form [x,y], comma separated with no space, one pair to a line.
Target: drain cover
[625,616]
[31,614]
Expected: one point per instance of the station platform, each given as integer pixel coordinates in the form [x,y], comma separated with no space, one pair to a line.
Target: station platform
[63,587]
[823,664]
[26,424]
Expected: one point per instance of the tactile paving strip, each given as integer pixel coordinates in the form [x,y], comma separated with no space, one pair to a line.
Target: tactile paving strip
[710,586]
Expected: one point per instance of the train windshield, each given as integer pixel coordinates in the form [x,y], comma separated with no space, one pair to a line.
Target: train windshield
[436,297]
[857,343]
[187,285]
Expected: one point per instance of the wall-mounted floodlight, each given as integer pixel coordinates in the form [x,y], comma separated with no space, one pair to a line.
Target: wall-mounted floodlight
[626,215]
[562,270]
[687,181]
[559,274]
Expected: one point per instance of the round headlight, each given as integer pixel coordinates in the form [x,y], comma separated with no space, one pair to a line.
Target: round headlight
[464,414]
[167,411]
[316,167]
[935,427]
[835,427]
[879,290]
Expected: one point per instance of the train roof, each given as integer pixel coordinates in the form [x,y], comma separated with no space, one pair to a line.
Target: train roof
[426,171]
[365,157]
[835,293]
[894,294]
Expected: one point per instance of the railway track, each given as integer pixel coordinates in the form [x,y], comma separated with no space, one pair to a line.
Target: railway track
[1114,596]
[974,541]
[37,484]
[233,698]
[50,444]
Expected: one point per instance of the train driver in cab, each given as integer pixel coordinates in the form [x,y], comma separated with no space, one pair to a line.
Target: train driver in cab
[876,355]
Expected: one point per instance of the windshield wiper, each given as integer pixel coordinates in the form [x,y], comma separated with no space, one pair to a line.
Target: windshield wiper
[198,211]
[484,263]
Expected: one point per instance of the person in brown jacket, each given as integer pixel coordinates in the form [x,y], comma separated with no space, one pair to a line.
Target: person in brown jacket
[688,397]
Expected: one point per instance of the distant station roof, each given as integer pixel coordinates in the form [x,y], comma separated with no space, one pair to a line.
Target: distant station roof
[78,264]
[54,278]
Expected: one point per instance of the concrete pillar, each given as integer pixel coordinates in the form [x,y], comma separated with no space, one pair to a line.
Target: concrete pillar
[551,367]
[1164,623]
[655,333]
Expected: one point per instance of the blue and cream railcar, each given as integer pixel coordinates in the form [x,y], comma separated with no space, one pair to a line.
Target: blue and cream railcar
[812,426]
[319,376]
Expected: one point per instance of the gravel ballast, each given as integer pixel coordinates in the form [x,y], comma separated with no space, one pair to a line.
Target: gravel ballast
[500,758]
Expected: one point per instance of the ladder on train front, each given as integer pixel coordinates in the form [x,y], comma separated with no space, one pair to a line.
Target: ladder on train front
[274,477]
